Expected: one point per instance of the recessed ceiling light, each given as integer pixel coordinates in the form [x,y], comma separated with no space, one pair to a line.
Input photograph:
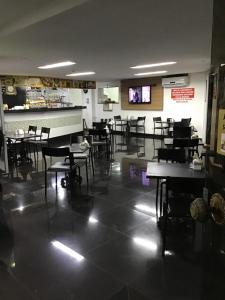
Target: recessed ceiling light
[58,65]
[150,73]
[154,65]
[81,74]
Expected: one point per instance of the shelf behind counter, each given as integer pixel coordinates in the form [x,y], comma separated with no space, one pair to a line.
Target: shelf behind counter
[43,109]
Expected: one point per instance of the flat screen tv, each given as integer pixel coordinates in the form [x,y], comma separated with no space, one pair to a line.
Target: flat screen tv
[140,94]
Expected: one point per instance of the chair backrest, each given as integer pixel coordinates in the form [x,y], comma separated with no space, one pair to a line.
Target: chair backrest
[101,133]
[98,125]
[181,132]
[177,124]
[181,143]
[45,133]
[172,155]
[32,128]
[186,122]
[141,120]
[56,152]
[157,119]
[170,120]
[75,138]
[133,123]
[117,118]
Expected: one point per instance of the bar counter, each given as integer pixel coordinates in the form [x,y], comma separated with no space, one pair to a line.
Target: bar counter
[43,109]
[62,121]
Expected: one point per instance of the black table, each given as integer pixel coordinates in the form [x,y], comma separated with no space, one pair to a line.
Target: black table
[163,170]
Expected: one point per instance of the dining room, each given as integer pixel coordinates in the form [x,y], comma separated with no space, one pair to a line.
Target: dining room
[112,150]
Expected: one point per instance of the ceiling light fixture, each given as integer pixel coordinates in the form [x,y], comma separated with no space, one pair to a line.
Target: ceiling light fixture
[81,74]
[154,65]
[58,65]
[150,73]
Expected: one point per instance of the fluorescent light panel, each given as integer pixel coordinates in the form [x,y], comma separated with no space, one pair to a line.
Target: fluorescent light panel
[81,74]
[154,65]
[67,250]
[58,65]
[150,73]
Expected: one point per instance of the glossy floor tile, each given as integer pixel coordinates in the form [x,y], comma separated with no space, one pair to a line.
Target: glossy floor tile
[102,241]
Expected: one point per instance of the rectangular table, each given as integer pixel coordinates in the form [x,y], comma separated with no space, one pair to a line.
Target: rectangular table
[163,170]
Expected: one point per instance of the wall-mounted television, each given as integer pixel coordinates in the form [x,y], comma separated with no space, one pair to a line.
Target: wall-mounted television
[139,94]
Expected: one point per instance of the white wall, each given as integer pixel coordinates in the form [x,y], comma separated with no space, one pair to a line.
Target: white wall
[196,108]
[87,113]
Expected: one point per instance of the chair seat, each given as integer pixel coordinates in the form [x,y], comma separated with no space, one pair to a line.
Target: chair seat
[37,142]
[80,155]
[162,127]
[60,167]
[99,143]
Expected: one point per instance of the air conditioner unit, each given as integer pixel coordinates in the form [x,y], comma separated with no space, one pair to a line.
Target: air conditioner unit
[178,81]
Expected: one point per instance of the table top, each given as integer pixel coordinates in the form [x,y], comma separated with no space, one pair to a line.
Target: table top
[11,135]
[173,170]
[162,122]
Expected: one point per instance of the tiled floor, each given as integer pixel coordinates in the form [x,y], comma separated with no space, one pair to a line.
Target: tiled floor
[112,227]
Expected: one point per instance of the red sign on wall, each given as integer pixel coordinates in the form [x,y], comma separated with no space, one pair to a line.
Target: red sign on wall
[183,94]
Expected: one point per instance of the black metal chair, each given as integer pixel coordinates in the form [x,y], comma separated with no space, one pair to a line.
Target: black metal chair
[170,122]
[158,125]
[98,125]
[60,166]
[182,132]
[179,194]
[138,124]
[38,143]
[190,144]
[31,130]
[168,155]
[120,123]
[100,139]
[186,122]
[82,158]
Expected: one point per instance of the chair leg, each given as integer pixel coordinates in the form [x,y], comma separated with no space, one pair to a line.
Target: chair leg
[92,163]
[56,179]
[164,231]
[156,198]
[86,165]
[165,217]
[46,187]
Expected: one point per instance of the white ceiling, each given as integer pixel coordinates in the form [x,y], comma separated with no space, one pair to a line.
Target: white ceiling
[105,36]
